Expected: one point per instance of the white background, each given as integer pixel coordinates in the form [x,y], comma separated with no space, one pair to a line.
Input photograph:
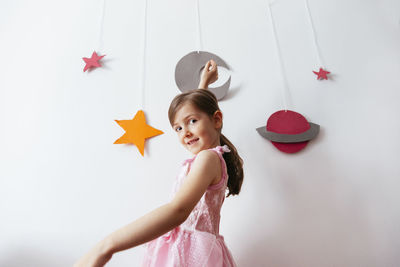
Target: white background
[64,185]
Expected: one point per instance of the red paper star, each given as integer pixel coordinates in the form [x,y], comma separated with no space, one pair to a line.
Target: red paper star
[322,74]
[92,62]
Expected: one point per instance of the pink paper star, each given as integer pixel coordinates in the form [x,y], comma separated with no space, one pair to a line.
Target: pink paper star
[92,62]
[322,74]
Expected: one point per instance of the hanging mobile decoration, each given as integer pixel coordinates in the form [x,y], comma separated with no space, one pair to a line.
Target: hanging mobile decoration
[287,130]
[136,129]
[322,73]
[189,68]
[93,61]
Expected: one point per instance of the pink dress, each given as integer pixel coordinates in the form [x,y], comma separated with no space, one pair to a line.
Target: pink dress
[196,242]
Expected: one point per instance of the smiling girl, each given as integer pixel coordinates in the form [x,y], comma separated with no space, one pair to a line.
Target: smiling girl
[185,231]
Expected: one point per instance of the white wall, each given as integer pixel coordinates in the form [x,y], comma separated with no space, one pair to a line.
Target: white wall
[64,185]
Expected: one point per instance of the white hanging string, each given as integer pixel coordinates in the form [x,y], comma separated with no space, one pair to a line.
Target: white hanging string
[284,80]
[314,35]
[100,43]
[199,40]
[144,35]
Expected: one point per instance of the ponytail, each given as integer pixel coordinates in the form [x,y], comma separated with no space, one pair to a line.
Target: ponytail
[234,166]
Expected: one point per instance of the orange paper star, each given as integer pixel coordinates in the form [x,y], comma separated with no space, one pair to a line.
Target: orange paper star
[136,131]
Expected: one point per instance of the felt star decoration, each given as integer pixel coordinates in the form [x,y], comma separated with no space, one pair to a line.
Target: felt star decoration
[322,74]
[136,131]
[92,62]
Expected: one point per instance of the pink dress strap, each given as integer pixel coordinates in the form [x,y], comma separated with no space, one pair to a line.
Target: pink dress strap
[220,151]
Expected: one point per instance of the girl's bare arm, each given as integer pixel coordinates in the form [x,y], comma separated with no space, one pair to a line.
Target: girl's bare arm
[209,74]
[204,170]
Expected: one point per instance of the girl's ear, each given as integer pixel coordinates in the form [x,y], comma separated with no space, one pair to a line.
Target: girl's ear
[217,119]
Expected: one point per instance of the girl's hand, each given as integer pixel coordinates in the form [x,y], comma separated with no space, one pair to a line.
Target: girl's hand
[96,257]
[209,74]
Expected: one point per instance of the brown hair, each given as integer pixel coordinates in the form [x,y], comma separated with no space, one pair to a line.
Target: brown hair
[206,102]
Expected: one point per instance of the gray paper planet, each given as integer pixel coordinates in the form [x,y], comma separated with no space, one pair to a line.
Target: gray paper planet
[189,68]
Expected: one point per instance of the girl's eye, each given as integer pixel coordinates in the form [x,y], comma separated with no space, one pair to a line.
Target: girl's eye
[177,129]
[192,121]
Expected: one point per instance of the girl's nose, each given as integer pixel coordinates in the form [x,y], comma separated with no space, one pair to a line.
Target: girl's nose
[187,133]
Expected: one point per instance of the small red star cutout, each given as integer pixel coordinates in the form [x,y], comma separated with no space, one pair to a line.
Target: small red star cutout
[322,74]
[92,62]
[136,131]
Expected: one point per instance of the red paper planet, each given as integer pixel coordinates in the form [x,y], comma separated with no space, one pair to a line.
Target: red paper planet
[289,131]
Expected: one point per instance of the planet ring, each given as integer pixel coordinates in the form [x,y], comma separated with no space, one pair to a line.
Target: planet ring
[290,138]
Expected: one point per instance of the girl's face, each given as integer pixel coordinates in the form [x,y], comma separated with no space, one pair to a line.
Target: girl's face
[196,130]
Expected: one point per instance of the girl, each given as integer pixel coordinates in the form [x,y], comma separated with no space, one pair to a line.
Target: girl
[185,231]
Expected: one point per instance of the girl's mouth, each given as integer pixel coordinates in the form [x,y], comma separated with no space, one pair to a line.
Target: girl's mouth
[191,142]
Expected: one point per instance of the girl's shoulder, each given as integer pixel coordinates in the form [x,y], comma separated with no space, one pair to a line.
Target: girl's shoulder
[208,160]
[207,157]
[212,155]
[210,164]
